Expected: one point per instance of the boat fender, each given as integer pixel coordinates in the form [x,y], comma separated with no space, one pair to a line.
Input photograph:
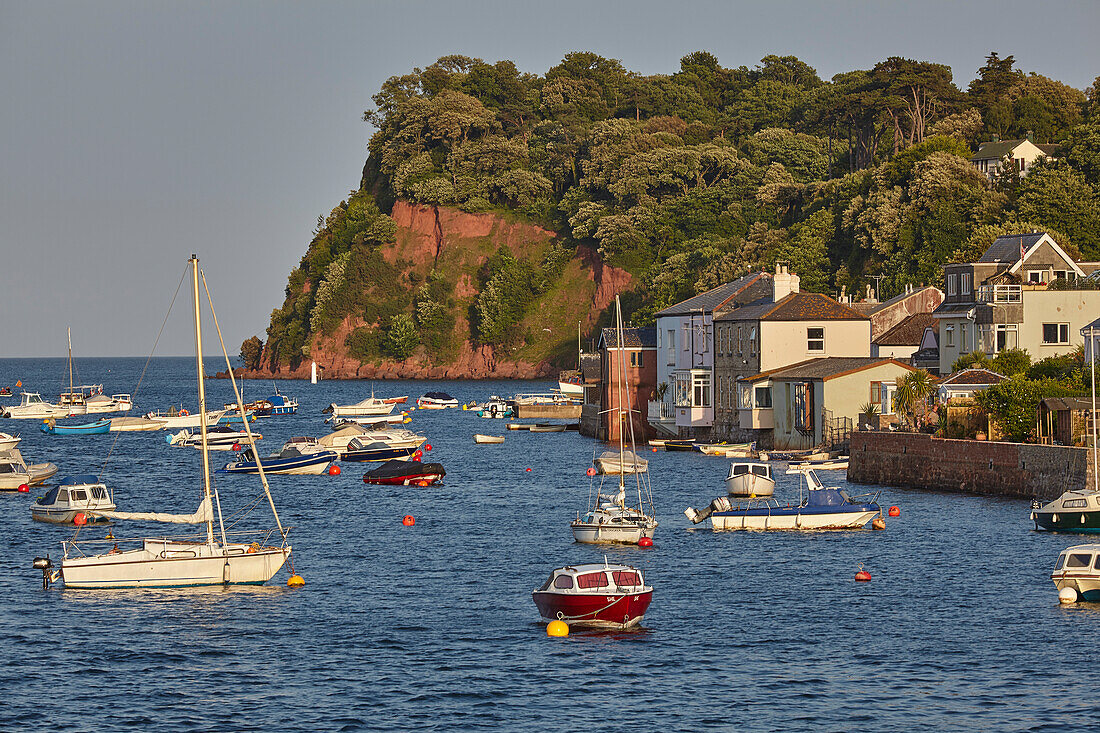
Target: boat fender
[253,548]
[1082,519]
[1054,518]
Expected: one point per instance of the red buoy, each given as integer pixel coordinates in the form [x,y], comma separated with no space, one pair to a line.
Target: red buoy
[427,446]
[23,488]
[591,471]
[894,512]
[80,520]
[334,470]
[408,520]
[645,542]
[528,470]
[863,576]
[417,456]
[236,446]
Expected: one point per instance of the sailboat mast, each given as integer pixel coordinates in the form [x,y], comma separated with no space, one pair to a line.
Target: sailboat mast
[1092,373]
[619,389]
[202,400]
[70,332]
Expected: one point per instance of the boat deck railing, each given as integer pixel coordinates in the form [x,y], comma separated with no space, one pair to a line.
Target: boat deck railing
[263,535]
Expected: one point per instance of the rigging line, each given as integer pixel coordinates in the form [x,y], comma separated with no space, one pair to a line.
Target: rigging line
[244,415]
[133,397]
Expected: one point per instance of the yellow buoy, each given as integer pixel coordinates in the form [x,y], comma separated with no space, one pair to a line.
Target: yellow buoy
[557,627]
[295,581]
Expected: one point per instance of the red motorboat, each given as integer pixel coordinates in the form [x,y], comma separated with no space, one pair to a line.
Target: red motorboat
[405,473]
[395,400]
[595,596]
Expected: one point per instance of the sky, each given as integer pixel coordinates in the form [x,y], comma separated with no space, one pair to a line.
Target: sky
[133,134]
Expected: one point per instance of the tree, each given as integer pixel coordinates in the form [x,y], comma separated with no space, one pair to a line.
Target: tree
[917,92]
[1011,361]
[973,360]
[1013,403]
[913,391]
[401,337]
[1058,196]
[251,350]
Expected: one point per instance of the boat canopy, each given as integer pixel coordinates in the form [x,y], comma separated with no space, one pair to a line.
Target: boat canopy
[277,400]
[80,479]
[394,469]
[438,396]
[201,515]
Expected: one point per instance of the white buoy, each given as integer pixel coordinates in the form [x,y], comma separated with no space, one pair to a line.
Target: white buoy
[1067,595]
[313,373]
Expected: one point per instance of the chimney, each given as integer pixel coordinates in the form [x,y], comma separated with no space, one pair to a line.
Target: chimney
[783,283]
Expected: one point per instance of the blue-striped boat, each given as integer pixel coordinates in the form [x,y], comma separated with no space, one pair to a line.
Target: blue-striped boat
[93,428]
[298,456]
[282,405]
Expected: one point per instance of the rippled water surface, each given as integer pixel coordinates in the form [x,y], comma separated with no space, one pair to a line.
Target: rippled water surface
[433,628]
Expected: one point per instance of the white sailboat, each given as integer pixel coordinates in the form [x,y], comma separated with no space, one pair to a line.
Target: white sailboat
[610,519]
[169,562]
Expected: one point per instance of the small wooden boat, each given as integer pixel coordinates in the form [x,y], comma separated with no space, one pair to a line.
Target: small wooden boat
[728,450]
[479,438]
[405,473]
[518,426]
[840,463]
[547,428]
[681,445]
[99,427]
[608,596]
[612,463]
[396,400]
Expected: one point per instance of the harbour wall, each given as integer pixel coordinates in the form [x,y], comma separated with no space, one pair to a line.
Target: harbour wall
[921,461]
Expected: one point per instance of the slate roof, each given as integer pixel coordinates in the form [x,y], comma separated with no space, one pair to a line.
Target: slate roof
[909,332]
[1001,148]
[825,368]
[712,299]
[1006,248]
[633,338]
[795,307]
[974,376]
[1058,404]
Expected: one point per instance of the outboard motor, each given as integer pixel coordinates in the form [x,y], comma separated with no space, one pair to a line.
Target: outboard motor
[45,565]
[721,504]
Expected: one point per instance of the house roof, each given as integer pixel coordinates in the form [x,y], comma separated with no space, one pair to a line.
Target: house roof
[633,338]
[868,308]
[1057,404]
[795,307]
[974,377]
[1006,248]
[1095,324]
[712,299]
[1001,148]
[826,368]
[910,332]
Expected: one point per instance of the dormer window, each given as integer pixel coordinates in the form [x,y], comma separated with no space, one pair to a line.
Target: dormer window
[952,283]
[964,280]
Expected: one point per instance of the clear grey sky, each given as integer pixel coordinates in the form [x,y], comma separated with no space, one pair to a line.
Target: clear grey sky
[135,133]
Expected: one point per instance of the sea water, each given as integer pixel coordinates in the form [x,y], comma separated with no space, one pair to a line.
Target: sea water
[432,627]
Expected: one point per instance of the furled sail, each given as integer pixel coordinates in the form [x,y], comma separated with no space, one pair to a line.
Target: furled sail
[202,514]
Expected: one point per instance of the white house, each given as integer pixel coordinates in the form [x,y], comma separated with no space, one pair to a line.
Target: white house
[992,156]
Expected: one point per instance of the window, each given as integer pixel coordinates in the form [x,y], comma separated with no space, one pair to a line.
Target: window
[1007,337]
[671,345]
[951,283]
[1079,560]
[1075,503]
[964,282]
[1061,274]
[949,337]
[1061,561]
[686,337]
[752,341]
[700,384]
[1036,277]
[719,393]
[963,340]
[763,397]
[592,580]
[740,350]
[563,581]
[1055,333]
[99,492]
[744,396]
[815,339]
[802,402]
[626,577]
[78,495]
[882,394]
[1096,565]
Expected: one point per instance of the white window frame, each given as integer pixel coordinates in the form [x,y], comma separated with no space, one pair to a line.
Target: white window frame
[811,340]
[1063,328]
[964,283]
[952,283]
[949,335]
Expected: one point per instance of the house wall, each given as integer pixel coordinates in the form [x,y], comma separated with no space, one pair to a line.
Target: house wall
[1078,308]
[783,343]
[640,384]
[901,353]
[921,461]
[922,300]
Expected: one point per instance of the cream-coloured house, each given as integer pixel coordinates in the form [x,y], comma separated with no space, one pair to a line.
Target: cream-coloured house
[992,156]
[817,402]
[787,328]
[1021,293]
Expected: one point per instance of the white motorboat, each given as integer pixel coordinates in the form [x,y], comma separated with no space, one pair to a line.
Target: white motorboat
[32,407]
[364,408]
[73,495]
[612,463]
[436,401]
[9,441]
[171,562]
[1077,574]
[609,518]
[15,471]
[400,440]
[382,445]
[176,419]
[219,437]
[368,420]
[750,479]
[839,463]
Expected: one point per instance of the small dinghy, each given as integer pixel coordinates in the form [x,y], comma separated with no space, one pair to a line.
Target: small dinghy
[367,407]
[479,438]
[607,596]
[73,495]
[840,463]
[14,471]
[613,463]
[297,457]
[750,479]
[405,473]
[99,427]
[547,428]
[134,425]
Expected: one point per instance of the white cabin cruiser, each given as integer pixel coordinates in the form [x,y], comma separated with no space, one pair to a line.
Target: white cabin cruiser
[1078,570]
[750,479]
[14,471]
[364,408]
[73,495]
[32,407]
[219,437]
[174,419]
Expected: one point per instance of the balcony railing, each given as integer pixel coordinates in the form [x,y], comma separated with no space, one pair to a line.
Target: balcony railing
[660,411]
[999,293]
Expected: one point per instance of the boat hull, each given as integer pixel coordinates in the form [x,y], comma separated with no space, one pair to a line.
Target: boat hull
[1087,584]
[99,427]
[313,464]
[750,484]
[805,518]
[611,534]
[378,454]
[65,516]
[1067,520]
[606,610]
[168,564]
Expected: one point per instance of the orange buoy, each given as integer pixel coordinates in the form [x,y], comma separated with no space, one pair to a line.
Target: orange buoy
[862,576]
[424,482]
[19,383]
[653,449]
[408,520]
[894,512]
[80,520]
[334,470]
[591,471]
[645,542]
[23,488]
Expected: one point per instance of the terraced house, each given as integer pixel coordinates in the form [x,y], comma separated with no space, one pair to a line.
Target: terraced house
[1024,292]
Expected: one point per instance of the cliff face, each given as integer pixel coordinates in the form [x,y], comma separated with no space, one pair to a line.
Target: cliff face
[456,244]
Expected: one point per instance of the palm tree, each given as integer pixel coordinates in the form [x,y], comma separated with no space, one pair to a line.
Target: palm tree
[912,394]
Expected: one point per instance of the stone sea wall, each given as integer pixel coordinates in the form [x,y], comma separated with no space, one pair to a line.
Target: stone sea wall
[973,466]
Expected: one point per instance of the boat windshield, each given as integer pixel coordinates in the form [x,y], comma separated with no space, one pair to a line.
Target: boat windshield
[49,498]
[98,492]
